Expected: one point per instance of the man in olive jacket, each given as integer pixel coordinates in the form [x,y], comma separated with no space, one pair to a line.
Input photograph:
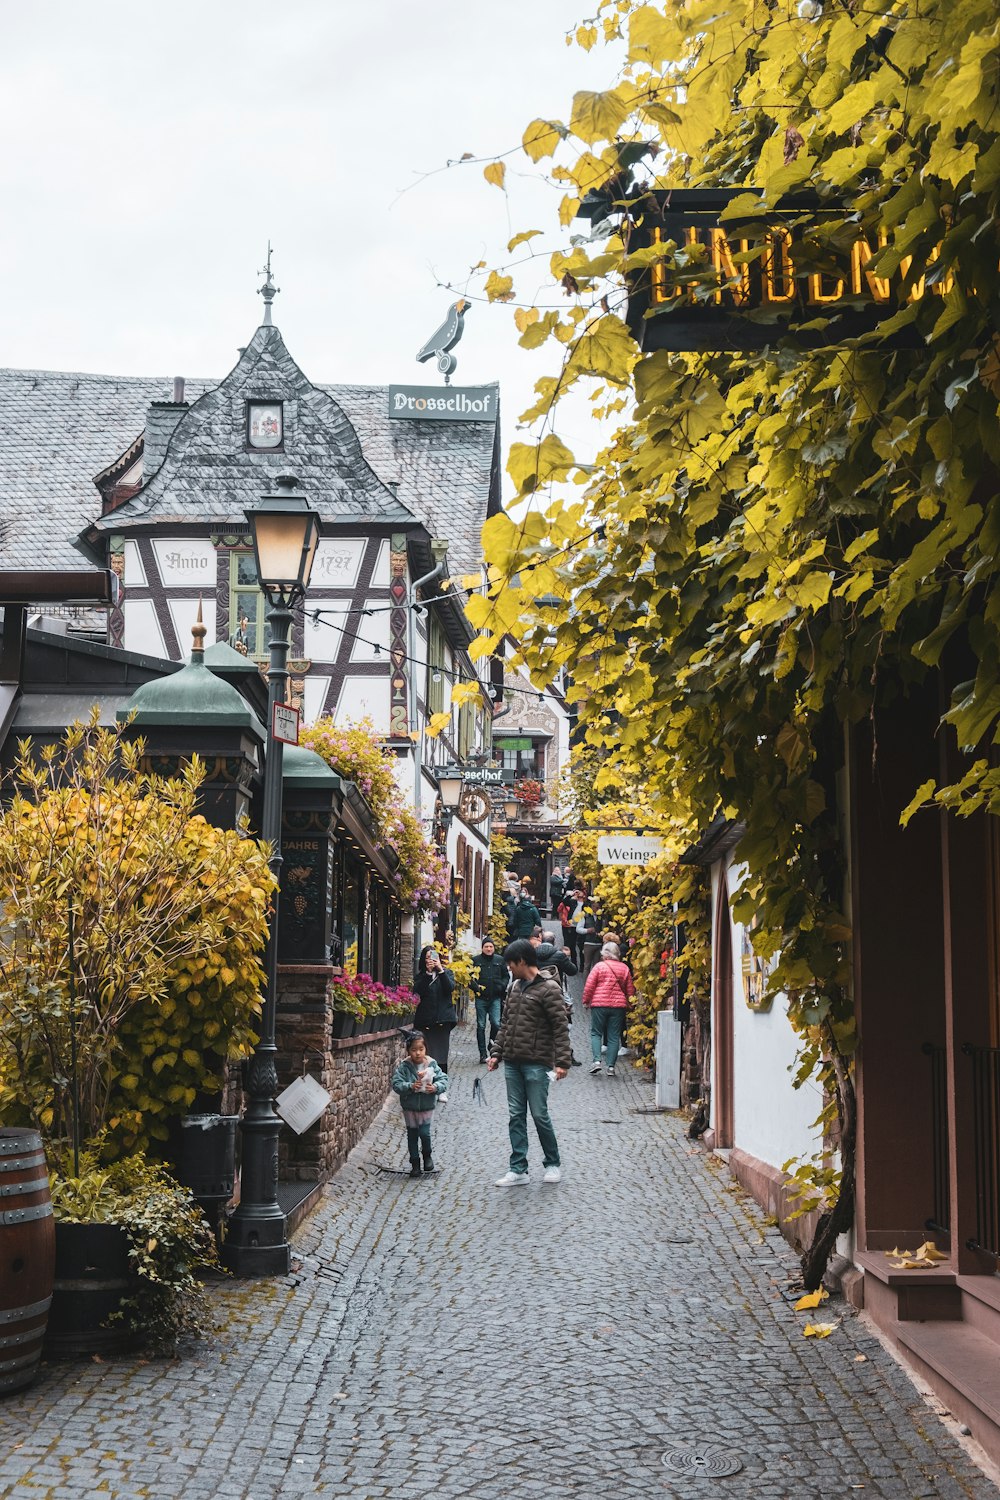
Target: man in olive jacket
[533,1038]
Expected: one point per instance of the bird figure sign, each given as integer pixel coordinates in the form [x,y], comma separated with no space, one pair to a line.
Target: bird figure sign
[439,345]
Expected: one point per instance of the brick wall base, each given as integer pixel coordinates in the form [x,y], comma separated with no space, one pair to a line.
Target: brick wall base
[355,1071]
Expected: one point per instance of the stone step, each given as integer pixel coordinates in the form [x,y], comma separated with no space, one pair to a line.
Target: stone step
[963,1366]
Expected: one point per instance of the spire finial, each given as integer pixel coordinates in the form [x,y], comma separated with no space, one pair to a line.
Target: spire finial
[268,291]
[198,633]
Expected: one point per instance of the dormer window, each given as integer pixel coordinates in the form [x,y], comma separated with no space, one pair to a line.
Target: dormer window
[265,425]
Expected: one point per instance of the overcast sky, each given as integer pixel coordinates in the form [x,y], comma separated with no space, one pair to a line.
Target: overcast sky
[152,150]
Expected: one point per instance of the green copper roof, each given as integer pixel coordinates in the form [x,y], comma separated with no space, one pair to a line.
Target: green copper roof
[303,768]
[222,657]
[194,696]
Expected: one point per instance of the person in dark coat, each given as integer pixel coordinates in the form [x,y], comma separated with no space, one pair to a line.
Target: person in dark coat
[533,1040]
[557,889]
[435,1015]
[524,918]
[489,985]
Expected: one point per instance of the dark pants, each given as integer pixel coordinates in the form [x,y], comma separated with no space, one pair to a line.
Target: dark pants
[569,941]
[418,1136]
[438,1039]
[486,1010]
[528,1088]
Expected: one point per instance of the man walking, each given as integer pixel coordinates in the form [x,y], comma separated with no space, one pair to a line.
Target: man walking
[533,1038]
[489,985]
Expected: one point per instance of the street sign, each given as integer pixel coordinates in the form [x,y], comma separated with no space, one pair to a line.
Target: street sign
[449,403]
[285,724]
[628,849]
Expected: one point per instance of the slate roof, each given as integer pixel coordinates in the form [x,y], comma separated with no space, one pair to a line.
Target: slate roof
[59,430]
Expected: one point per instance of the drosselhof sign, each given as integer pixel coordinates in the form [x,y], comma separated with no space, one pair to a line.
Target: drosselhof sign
[628,849]
[449,403]
[733,276]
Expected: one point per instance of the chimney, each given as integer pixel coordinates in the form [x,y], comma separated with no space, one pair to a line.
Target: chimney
[161,419]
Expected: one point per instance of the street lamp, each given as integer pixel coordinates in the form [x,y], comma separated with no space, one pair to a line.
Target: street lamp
[511,808]
[285,534]
[450,785]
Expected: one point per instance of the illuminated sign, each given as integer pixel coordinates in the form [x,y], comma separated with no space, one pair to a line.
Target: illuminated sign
[732,280]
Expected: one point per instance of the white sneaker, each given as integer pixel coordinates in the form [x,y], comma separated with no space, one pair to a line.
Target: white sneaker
[595,1067]
[552,1174]
[513,1179]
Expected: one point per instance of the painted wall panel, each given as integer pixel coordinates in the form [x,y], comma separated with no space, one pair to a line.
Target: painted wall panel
[184,613]
[315,690]
[365,698]
[374,631]
[135,573]
[338,562]
[186,562]
[380,575]
[142,629]
[322,640]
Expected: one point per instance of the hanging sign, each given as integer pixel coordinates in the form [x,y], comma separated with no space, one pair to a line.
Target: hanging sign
[628,849]
[734,276]
[285,724]
[443,403]
[302,1103]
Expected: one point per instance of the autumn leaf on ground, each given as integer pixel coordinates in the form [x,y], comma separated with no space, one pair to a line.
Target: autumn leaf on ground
[812,1299]
[819,1330]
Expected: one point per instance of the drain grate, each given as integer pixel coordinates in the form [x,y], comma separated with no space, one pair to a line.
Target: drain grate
[702,1463]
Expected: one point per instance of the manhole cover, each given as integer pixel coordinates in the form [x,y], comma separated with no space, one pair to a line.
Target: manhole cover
[702,1463]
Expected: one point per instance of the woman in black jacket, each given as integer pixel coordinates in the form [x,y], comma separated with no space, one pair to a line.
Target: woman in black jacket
[435,1015]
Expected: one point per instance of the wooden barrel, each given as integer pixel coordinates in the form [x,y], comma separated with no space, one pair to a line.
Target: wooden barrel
[27,1256]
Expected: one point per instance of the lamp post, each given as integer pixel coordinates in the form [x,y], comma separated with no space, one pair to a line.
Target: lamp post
[285,534]
[511,808]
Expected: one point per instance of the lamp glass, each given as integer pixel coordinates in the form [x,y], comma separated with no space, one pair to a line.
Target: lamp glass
[450,788]
[284,546]
[511,808]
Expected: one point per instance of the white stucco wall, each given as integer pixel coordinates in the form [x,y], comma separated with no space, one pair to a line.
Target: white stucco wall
[772,1120]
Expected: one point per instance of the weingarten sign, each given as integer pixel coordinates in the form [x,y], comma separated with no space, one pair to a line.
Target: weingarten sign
[449,403]
[736,276]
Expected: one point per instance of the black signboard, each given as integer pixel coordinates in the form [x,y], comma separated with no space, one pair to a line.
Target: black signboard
[734,277]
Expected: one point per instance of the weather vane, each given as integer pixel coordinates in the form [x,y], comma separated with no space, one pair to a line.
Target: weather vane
[439,345]
[268,291]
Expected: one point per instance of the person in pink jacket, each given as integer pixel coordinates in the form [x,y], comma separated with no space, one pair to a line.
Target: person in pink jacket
[608,990]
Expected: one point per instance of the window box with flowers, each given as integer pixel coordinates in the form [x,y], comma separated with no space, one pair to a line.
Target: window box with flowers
[362,1004]
[529,792]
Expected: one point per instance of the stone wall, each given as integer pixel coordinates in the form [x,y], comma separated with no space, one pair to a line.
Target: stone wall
[355,1071]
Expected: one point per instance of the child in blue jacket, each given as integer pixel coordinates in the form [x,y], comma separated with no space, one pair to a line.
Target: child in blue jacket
[418,1081]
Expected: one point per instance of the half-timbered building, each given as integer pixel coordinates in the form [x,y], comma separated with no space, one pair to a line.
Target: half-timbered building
[152,477]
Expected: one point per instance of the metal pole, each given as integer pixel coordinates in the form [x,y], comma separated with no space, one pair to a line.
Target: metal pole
[74,1069]
[255,1240]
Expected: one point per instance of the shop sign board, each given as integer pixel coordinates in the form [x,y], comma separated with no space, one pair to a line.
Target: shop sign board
[736,275]
[478,775]
[443,403]
[628,849]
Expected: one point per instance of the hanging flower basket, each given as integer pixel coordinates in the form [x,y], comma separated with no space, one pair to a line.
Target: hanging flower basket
[529,792]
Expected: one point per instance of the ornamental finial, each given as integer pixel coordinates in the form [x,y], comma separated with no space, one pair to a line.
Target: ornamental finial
[268,291]
[198,633]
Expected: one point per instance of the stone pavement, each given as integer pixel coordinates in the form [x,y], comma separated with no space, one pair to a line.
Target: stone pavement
[449,1338]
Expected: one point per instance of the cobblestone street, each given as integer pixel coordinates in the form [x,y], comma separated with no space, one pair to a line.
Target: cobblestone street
[447,1337]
